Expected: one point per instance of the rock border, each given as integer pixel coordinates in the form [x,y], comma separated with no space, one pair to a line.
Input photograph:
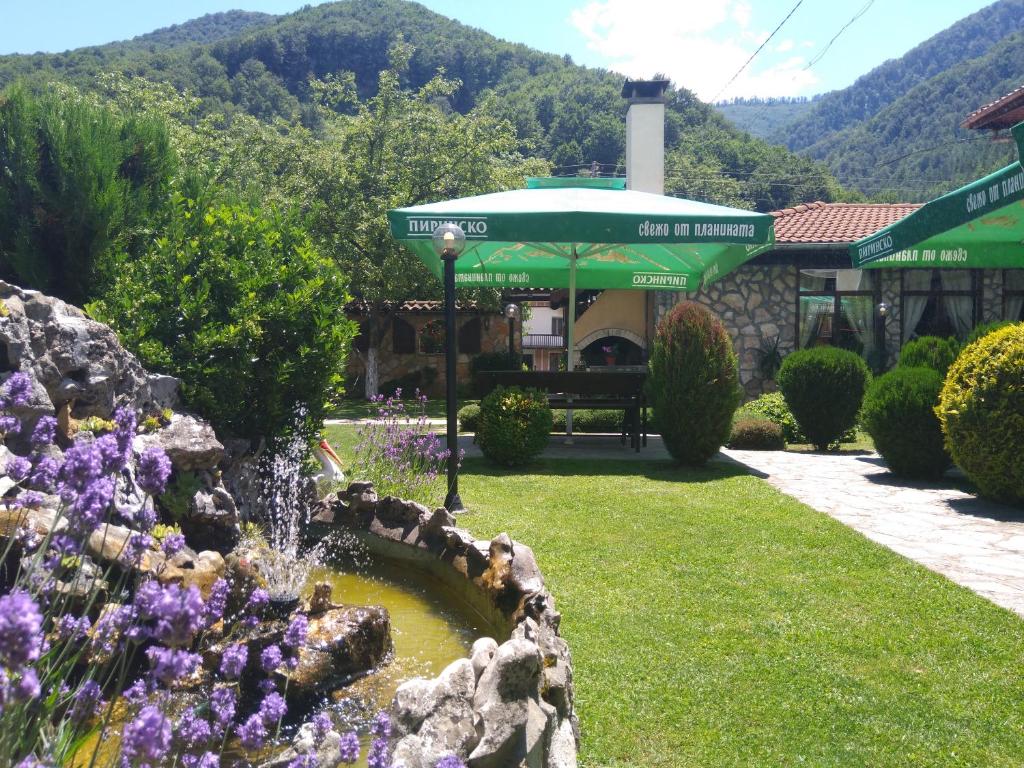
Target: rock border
[511,703]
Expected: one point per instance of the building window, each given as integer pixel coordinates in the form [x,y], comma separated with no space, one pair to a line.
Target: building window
[557,326]
[1013,295]
[469,337]
[837,307]
[432,337]
[403,337]
[938,302]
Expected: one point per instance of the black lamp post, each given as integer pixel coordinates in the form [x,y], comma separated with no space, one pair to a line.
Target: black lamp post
[449,240]
[511,310]
[882,309]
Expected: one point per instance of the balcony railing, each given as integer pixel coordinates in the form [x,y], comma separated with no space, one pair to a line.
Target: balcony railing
[543,341]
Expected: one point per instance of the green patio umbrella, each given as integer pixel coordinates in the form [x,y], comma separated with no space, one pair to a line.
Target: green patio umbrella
[580,233]
[978,225]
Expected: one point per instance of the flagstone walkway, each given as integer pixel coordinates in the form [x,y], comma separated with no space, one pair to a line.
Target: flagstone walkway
[976,543]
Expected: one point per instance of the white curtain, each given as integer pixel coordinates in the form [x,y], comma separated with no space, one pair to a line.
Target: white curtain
[810,306]
[913,306]
[860,314]
[1014,304]
[960,309]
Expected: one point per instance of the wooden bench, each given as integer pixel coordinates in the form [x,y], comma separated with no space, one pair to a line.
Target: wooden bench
[581,390]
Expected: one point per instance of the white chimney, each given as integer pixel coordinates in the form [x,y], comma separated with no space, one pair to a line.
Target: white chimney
[645,135]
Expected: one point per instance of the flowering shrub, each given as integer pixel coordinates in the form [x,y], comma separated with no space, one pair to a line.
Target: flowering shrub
[399,453]
[126,641]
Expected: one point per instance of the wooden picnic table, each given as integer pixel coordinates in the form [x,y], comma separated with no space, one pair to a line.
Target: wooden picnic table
[601,389]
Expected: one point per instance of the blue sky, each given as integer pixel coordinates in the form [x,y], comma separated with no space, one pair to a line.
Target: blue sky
[699,43]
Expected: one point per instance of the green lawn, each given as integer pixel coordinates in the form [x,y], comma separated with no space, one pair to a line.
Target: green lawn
[361,409]
[716,622]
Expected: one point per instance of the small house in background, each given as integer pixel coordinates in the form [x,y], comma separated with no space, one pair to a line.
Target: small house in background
[411,353]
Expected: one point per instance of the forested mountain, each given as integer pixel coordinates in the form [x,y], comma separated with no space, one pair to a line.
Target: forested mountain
[968,39]
[764,118]
[570,115]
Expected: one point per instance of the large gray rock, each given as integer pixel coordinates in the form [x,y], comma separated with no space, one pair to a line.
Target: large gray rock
[212,518]
[326,748]
[190,443]
[74,359]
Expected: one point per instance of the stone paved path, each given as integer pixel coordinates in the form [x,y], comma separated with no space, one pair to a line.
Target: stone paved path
[976,543]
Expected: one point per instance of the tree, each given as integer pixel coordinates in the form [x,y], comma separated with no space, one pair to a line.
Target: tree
[80,186]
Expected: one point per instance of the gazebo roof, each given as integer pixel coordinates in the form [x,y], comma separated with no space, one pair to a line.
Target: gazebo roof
[1001,114]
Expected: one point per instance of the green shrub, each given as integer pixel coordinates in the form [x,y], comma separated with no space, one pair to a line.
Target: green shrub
[514,426]
[899,414]
[929,352]
[236,302]
[589,421]
[981,410]
[985,329]
[772,406]
[756,434]
[469,417]
[694,382]
[824,388]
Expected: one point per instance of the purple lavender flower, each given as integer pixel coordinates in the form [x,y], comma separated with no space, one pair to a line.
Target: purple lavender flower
[124,432]
[16,390]
[252,733]
[272,708]
[31,761]
[146,739]
[20,630]
[18,468]
[192,731]
[271,658]
[321,723]
[137,544]
[82,464]
[258,600]
[44,432]
[27,687]
[307,760]
[381,726]
[145,517]
[10,425]
[111,628]
[30,499]
[172,544]
[176,614]
[169,665]
[86,703]
[349,747]
[378,756]
[111,457]
[71,629]
[90,507]
[223,701]
[233,661]
[44,474]
[205,760]
[217,602]
[451,761]
[137,693]
[154,469]
[295,635]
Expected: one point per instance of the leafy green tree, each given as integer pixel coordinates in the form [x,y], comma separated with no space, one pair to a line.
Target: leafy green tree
[237,302]
[80,188]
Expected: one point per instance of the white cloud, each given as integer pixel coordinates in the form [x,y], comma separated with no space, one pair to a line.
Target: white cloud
[700,49]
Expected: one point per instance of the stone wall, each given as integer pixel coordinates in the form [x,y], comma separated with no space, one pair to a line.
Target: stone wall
[511,704]
[756,303]
[392,365]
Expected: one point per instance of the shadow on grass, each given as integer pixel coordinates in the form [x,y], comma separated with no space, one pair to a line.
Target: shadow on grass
[656,469]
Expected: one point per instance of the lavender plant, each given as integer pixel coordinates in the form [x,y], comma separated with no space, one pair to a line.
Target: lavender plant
[86,655]
[399,453]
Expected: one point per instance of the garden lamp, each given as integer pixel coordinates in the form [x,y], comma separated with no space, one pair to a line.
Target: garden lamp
[449,241]
[511,310]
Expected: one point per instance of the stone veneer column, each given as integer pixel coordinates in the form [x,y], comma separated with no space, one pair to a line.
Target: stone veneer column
[991,295]
[890,282]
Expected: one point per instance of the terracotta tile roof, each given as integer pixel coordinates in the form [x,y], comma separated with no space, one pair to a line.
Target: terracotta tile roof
[1004,112]
[836,222]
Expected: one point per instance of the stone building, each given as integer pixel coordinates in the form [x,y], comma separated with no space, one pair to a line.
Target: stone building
[411,353]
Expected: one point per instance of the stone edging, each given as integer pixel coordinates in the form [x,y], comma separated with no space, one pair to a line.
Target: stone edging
[510,704]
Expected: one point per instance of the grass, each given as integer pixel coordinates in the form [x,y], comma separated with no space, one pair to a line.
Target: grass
[361,409]
[862,444]
[716,622]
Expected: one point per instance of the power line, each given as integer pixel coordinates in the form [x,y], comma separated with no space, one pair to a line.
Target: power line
[759,49]
[824,50]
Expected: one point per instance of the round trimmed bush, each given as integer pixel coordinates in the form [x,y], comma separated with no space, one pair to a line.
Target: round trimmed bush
[469,417]
[694,382]
[899,414]
[514,425]
[755,434]
[985,329]
[929,352]
[981,410]
[824,388]
[772,406]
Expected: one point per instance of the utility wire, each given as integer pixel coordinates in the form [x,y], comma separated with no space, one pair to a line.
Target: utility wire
[824,50]
[759,49]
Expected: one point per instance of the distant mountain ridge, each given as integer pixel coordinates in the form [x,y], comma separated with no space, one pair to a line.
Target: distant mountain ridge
[568,114]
